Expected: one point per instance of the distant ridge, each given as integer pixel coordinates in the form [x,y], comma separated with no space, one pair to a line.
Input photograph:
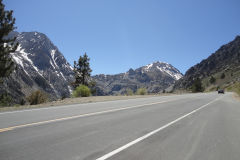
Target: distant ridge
[155,77]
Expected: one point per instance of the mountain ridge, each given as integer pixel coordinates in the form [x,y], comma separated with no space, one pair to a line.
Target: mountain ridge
[155,77]
[40,66]
[226,60]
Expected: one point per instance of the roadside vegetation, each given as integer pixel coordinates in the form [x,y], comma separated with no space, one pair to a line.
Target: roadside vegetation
[141,91]
[197,86]
[37,97]
[83,85]
[129,92]
[82,91]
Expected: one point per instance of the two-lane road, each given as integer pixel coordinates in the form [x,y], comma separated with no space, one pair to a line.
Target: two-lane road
[189,127]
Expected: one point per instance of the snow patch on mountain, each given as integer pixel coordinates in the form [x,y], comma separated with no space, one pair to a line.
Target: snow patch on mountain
[21,57]
[148,66]
[163,67]
[70,89]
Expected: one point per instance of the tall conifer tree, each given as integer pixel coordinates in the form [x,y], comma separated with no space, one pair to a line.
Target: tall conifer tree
[82,71]
[7,45]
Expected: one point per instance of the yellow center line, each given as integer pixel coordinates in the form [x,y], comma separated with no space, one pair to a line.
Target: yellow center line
[79,116]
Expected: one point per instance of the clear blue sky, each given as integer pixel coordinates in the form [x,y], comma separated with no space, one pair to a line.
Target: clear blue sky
[122,34]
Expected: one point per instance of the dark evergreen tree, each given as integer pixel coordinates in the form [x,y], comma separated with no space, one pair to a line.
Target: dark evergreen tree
[222,76]
[197,86]
[82,71]
[212,80]
[7,45]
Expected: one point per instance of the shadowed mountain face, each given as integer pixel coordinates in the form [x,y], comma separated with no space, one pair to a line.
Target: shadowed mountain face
[154,77]
[40,65]
[225,60]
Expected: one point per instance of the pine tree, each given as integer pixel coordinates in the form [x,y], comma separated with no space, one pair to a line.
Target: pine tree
[197,86]
[222,76]
[82,71]
[212,80]
[7,45]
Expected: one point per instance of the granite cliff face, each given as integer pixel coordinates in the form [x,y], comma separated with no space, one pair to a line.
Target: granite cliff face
[39,66]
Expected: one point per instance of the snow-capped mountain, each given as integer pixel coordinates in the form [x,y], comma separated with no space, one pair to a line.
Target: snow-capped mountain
[164,68]
[40,65]
[155,77]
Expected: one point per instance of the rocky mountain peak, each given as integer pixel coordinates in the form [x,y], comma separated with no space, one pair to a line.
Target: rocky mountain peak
[164,68]
[40,65]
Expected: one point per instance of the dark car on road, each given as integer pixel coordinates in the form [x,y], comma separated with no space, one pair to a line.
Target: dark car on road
[221,91]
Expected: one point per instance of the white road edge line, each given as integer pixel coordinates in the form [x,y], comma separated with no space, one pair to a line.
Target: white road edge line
[108,155]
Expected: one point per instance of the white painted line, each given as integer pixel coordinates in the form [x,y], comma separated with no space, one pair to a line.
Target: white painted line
[82,115]
[106,156]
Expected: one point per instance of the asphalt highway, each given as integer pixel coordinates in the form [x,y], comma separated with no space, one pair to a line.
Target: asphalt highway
[182,127]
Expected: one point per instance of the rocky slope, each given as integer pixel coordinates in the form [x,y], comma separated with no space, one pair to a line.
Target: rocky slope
[154,77]
[226,60]
[40,65]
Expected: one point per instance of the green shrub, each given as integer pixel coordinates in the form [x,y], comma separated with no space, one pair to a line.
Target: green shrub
[82,91]
[5,100]
[37,97]
[141,91]
[129,92]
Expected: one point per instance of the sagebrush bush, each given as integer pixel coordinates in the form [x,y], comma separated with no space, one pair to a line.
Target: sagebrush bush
[141,91]
[82,91]
[37,97]
[129,92]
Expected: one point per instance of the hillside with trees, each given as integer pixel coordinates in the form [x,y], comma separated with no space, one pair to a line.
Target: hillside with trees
[219,70]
